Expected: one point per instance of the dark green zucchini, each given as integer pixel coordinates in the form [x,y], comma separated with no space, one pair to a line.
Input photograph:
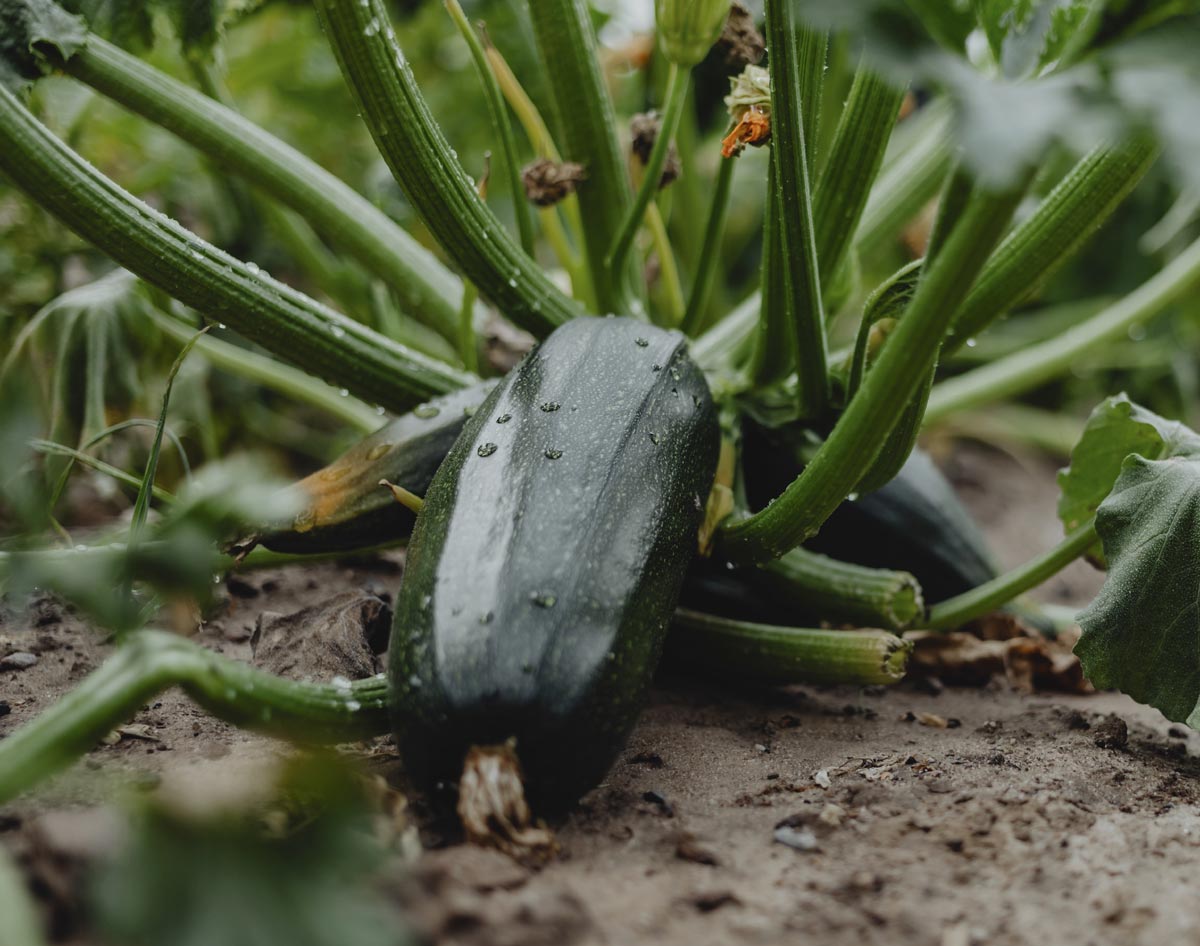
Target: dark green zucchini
[343,507]
[548,557]
[914,523]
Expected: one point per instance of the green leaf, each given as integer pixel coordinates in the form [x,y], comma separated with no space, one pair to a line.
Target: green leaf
[1116,429]
[1142,633]
[130,23]
[221,878]
[24,26]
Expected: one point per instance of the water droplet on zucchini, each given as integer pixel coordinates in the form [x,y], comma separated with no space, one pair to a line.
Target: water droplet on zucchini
[487,449]
[504,418]
[551,406]
[642,342]
[426,411]
[552,454]
[543,599]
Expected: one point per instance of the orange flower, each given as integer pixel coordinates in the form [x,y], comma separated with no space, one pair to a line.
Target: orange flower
[753,128]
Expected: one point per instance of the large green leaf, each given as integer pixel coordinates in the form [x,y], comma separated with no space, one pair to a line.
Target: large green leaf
[1053,72]
[1142,633]
[24,26]
[1116,429]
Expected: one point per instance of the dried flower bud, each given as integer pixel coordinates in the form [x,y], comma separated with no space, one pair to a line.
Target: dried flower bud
[645,128]
[740,40]
[687,29]
[749,104]
[547,182]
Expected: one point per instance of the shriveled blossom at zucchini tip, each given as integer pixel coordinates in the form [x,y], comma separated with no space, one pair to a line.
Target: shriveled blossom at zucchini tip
[749,105]
[688,29]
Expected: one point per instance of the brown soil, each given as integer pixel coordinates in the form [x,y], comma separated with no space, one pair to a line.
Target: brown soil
[913,815]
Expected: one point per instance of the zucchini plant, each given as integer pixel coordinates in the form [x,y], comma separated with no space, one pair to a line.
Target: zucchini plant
[658,441]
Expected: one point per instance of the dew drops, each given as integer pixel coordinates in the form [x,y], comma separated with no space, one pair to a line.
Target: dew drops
[551,406]
[340,683]
[487,449]
[543,599]
[504,418]
[654,438]
[642,342]
[372,28]
[414,681]
[353,706]
[426,411]
[337,331]
[971,343]
[379,450]
[1136,333]
[343,392]
[487,617]
[379,410]
[552,454]
[253,267]
[656,367]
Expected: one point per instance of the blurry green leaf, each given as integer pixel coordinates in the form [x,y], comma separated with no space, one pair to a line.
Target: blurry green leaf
[126,22]
[130,23]
[27,24]
[223,880]
[1072,73]
[1142,633]
[1116,429]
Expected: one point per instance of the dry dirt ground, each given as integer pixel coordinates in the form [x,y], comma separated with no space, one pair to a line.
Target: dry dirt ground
[740,816]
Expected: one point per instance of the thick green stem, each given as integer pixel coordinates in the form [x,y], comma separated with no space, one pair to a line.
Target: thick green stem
[842,592]
[855,157]
[1040,363]
[1071,213]
[956,611]
[886,392]
[425,287]
[910,179]
[774,339]
[707,265]
[797,64]
[164,254]
[631,222]
[500,123]
[587,133]
[788,654]
[152,661]
[428,170]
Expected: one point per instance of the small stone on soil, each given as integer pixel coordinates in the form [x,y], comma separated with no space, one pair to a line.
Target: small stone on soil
[710,900]
[687,848]
[800,839]
[660,802]
[1112,733]
[21,660]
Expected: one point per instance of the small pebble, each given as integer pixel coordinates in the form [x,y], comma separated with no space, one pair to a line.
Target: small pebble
[1112,733]
[21,660]
[801,839]
[822,778]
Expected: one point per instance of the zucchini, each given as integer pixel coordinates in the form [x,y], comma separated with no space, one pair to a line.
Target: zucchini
[343,507]
[915,522]
[548,557]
